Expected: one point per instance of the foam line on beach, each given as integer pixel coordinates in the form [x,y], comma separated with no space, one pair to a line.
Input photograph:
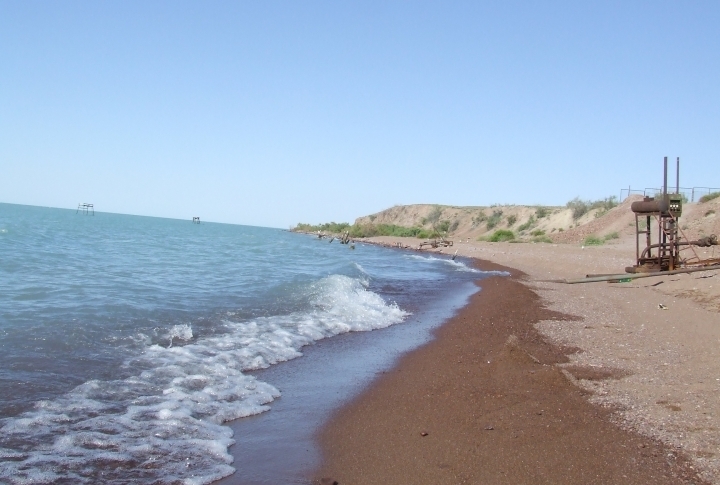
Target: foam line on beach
[458,265]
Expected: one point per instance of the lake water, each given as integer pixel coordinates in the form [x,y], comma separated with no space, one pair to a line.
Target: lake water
[129,344]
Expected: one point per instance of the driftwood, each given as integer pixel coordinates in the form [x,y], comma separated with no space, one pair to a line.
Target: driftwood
[435,243]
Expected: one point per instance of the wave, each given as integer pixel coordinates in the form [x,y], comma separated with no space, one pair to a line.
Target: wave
[164,424]
[458,265]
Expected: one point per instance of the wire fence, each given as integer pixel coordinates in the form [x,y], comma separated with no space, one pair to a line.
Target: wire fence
[691,193]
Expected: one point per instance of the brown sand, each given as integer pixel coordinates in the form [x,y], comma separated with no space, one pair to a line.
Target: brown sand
[492,401]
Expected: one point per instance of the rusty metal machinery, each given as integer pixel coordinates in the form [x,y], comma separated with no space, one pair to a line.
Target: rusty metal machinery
[662,213]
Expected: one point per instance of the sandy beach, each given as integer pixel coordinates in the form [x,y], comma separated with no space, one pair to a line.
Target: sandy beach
[540,382]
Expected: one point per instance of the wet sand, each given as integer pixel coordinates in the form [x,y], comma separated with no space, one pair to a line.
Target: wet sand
[486,403]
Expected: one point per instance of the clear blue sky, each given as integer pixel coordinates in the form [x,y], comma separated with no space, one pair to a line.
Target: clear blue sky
[271,113]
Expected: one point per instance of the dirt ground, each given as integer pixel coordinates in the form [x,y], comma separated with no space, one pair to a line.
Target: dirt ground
[649,349]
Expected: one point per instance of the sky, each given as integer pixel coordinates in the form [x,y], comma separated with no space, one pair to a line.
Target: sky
[271,113]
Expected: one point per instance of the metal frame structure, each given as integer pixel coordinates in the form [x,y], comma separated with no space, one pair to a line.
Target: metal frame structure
[665,210]
[85,208]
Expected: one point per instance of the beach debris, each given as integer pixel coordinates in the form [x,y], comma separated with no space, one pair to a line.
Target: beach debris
[658,283]
[618,277]
[332,239]
[436,243]
[328,481]
[424,433]
[489,427]
[454,255]
[662,307]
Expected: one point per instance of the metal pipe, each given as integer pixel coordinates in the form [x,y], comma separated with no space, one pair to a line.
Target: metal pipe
[665,179]
[677,176]
[633,276]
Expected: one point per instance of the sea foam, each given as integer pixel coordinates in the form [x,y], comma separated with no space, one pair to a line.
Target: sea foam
[165,423]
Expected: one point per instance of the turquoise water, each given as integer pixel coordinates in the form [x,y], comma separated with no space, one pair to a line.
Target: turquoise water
[126,341]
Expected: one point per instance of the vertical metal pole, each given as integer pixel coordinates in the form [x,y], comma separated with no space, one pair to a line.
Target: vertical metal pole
[637,241]
[677,176]
[665,179]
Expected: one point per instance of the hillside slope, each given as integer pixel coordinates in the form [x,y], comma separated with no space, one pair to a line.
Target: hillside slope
[540,222]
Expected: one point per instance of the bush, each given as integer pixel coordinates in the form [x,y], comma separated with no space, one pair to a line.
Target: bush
[537,232]
[331,227]
[442,226]
[434,217]
[502,235]
[494,219]
[528,224]
[511,220]
[709,197]
[542,239]
[593,241]
[581,207]
[478,219]
[612,235]
[710,212]
[541,212]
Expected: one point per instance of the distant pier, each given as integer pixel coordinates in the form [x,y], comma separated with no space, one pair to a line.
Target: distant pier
[85,208]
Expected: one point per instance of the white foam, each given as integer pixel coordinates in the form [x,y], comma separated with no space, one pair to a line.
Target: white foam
[164,425]
[180,332]
[457,265]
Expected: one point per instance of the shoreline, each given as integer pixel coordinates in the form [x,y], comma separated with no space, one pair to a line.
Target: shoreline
[492,399]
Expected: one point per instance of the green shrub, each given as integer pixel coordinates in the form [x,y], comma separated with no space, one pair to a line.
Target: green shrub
[442,226]
[612,235]
[537,232]
[541,212]
[593,241]
[454,225]
[494,219]
[479,219]
[434,217]
[541,239]
[709,197]
[511,220]
[330,227]
[502,235]
[581,207]
[370,230]
[528,224]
